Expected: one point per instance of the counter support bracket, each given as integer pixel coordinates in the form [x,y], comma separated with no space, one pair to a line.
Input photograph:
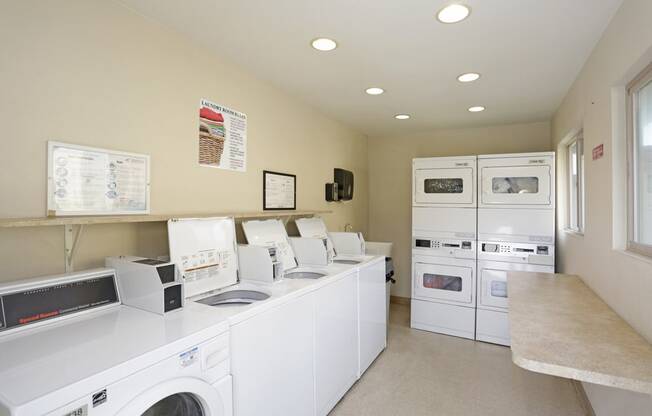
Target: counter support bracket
[70,242]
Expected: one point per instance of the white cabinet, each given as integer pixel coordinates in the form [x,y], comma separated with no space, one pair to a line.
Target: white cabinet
[372,313]
[272,358]
[336,341]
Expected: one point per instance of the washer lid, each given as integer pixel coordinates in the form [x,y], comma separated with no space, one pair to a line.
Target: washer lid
[204,249]
[272,233]
[315,228]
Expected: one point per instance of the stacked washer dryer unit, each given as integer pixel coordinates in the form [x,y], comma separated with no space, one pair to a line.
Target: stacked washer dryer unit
[516,231]
[444,245]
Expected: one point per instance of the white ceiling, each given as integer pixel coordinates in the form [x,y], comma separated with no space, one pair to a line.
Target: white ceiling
[528,52]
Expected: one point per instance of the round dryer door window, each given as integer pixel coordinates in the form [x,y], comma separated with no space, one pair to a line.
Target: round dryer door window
[180,404]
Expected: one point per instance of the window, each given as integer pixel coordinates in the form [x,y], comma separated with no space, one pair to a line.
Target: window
[515,185]
[639,137]
[444,186]
[575,154]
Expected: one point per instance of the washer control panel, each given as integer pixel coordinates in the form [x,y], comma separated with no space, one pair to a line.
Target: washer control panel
[444,247]
[517,252]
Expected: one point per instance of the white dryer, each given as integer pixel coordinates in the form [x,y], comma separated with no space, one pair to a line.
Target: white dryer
[525,180]
[444,182]
[69,348]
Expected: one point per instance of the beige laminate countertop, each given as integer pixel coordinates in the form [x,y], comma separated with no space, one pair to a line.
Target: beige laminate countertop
[559,326]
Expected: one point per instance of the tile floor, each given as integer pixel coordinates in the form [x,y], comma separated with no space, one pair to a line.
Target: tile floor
[421,373]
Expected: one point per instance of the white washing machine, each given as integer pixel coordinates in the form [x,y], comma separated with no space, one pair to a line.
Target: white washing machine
[69,348]
[272,233]
[495,259]
[444,271]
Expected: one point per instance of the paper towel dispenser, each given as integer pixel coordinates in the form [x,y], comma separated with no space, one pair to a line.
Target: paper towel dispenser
[344,180]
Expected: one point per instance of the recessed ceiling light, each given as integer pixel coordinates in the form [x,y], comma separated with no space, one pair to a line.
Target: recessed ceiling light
[453,13]
[402,116]
[324,44]
[374,91]
[476,109]
[468,77]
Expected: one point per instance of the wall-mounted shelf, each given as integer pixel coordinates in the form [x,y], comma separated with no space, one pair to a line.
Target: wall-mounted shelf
[91,220]
[71,238]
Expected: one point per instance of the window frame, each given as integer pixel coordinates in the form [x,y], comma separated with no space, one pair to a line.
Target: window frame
[580,203]
[631,91]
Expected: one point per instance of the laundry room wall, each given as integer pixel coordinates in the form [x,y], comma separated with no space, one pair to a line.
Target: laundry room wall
[622,280]
[95,73]
[390,176]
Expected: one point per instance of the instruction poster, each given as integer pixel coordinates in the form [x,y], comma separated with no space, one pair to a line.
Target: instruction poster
[222,137]
[90,181]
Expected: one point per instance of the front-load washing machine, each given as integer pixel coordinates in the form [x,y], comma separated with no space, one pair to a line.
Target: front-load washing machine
[70,348]
[443,284]
[495,259]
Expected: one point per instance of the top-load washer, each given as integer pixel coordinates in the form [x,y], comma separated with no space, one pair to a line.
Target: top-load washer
[444,182]
[205,251]
[345,247]
[525,180]
[70,348]
[272,233]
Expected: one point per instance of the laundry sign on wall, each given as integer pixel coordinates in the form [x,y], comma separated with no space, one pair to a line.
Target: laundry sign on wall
[222,137]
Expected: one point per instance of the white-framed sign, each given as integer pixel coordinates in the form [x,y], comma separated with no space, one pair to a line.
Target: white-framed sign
[91,181]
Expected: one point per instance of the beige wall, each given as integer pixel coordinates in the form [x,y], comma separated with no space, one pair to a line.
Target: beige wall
[390,176]
[94,73]
[622,280]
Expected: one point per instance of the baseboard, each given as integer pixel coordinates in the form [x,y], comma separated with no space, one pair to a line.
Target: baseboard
[583,398]
[399,300]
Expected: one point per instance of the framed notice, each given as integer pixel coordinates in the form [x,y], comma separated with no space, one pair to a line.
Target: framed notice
[279,191]
[90,181]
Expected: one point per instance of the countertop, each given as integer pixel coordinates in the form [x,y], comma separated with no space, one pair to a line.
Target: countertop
[560,327]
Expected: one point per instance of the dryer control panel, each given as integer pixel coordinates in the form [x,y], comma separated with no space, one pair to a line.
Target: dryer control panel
[517,252]
[444,247]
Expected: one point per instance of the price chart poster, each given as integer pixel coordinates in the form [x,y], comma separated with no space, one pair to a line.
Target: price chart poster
[222,137]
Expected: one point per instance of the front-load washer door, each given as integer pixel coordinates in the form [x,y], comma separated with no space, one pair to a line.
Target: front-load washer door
[183,396]
[443,282]
[493,288]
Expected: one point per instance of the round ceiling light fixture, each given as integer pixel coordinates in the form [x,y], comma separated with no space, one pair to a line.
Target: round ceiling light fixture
[402,116]
[324,44]
[374,91]
[469,77]
[476,109]
[453,13]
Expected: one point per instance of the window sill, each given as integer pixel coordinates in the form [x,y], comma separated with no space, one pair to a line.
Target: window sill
[634,255]
[574,232]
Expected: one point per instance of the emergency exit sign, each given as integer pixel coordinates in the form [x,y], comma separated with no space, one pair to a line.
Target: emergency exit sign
[598,151]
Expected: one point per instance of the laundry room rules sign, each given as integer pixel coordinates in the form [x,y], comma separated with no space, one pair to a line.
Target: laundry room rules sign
[222,137]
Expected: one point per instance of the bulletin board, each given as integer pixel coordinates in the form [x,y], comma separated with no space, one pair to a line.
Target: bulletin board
[92,181]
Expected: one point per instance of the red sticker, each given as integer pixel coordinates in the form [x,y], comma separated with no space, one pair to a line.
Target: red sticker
[598,151]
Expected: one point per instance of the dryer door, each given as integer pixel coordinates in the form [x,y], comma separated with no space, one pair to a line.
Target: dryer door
[516,182]
[183,396]
[444,186]
[443,282]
